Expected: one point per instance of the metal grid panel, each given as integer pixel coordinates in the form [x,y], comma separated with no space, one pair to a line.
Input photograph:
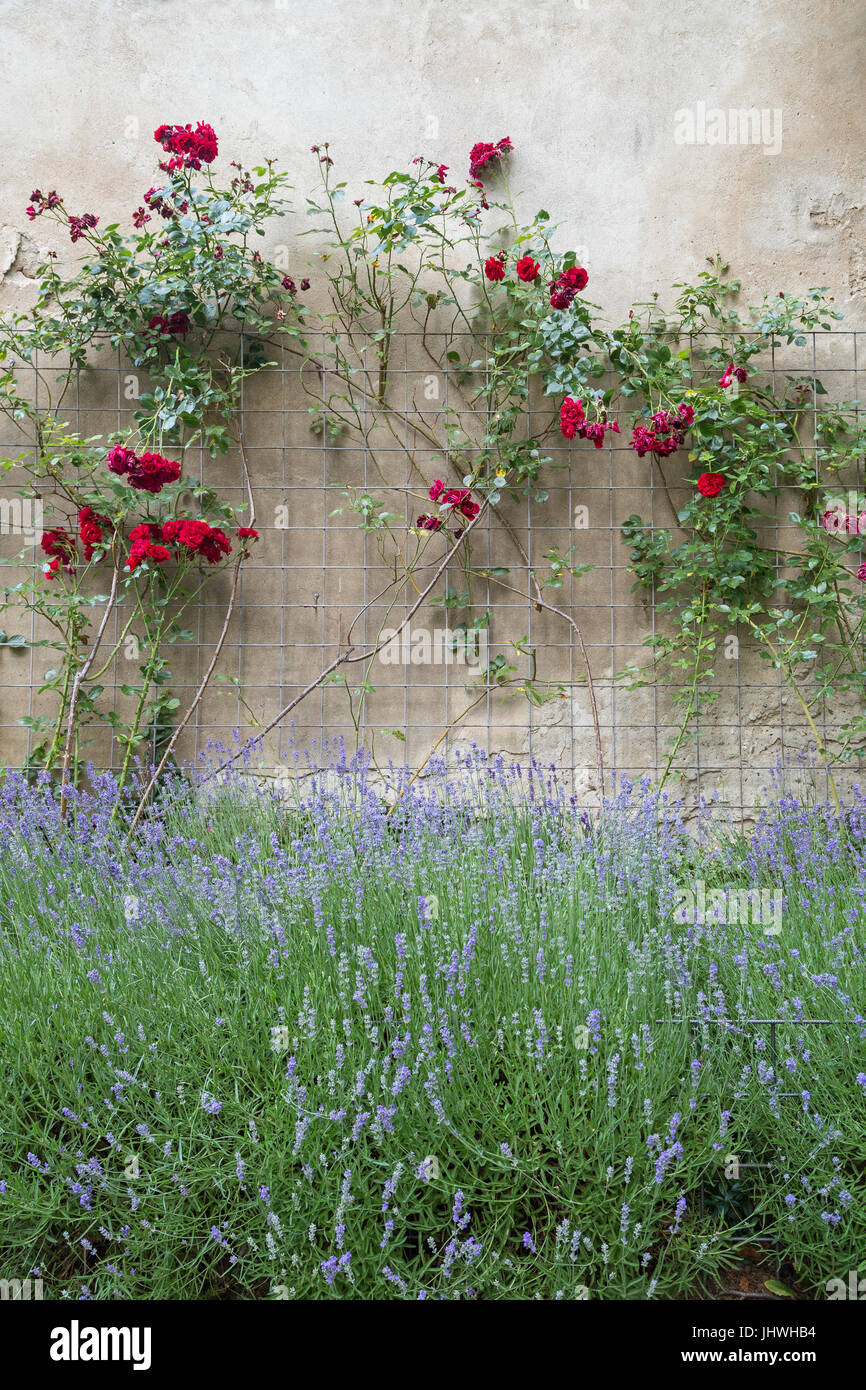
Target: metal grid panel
[312,571]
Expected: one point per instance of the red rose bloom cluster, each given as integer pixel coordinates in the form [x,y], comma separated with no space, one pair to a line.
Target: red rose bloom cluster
[177,322]
[42,202]
[79,225]
[731,371]
[572,421]
[149,473]
[711,484]
[484,153]
[861,573]
[198,538]
[191,148]
[571,417]
[59,546]
[668,429]
[146,545]
[90,529]
[190,536]
[596,431]
[566,285]
[458,499]
[494,267]
[158,204]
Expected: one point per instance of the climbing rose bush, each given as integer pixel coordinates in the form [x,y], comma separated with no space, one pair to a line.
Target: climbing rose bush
[127,519]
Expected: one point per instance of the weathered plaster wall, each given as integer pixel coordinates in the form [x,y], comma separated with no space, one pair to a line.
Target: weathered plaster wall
[588,92]
[598,98]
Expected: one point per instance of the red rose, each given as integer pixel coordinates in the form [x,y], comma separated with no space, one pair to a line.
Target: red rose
[667,433]
[597,430]
[151,472]
[207,142]
[79,225]
[40,203]
[711,484]
[147,550]
[575,277]
[571,417]
[192,533]
[247,533]
[566,285]
[731,371]
[59,545]
[214,546]
[479,156]
[153,200]
[437,490]
[428,523]
[121,460]
[88,517]
[642,440]
[483,153]
[527,269]
[494,267]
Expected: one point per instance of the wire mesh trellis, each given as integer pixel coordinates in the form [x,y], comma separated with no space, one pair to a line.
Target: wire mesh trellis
[313,570]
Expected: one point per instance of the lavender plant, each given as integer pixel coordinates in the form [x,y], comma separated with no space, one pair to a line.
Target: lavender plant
[284,1044]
